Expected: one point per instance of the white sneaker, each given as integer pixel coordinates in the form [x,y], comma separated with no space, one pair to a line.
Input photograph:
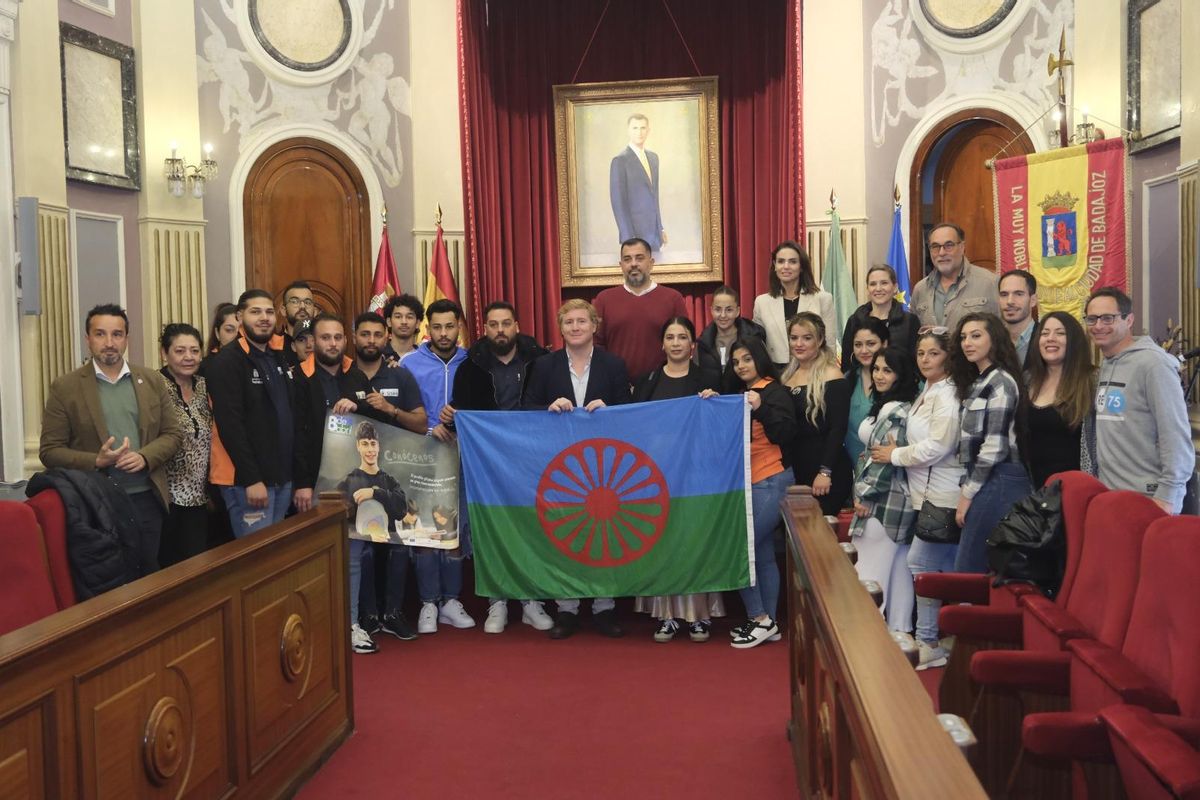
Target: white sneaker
[534,614]
[497,618]
[931,656]
[361,641]
[427,620]
[756,635]
[453,613]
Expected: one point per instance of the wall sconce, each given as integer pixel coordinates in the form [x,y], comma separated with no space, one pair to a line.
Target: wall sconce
[180,174]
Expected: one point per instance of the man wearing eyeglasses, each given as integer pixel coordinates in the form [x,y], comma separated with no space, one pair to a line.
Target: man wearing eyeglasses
[1142,440]
[298,306]
[955,287]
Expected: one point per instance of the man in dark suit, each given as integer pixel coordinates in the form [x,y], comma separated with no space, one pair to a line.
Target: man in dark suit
[112,416]
[579,377]
[633,188]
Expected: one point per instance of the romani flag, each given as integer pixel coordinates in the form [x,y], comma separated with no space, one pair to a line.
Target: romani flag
[836,279]
[641,499]
[386,282]
[1062,215]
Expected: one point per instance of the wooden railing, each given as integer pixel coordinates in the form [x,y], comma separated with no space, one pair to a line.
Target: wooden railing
[862,724]
[229,672]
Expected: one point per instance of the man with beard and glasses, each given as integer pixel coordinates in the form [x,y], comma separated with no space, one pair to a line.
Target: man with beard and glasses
[298,307]
[434,364]
[117,418]
[632,314]
[394,392]
[402,314]
[262,435]
[493,378]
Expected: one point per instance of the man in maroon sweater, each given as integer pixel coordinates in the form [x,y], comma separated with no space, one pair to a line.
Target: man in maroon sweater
[632,314]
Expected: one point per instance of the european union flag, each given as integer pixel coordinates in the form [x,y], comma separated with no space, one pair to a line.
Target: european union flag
[899,262]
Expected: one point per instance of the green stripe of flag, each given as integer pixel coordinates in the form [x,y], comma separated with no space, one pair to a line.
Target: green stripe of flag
[703,549]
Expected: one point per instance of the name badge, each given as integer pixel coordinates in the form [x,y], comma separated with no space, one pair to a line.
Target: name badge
[360,395]
[390,392]
[255,378]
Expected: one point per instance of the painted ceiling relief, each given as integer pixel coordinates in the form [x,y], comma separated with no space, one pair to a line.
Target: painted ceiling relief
[367,100]
[910,74]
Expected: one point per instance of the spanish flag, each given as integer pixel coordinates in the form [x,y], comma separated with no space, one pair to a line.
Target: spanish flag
[386,282]
[439,283]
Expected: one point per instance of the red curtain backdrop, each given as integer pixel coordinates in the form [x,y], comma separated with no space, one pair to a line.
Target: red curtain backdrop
[511,52]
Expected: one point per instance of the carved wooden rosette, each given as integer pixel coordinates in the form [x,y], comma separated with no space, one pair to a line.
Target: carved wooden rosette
[293,653]
[166,741]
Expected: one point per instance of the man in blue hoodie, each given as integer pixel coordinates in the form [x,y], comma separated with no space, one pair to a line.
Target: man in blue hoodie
[1143,441]
[434,364]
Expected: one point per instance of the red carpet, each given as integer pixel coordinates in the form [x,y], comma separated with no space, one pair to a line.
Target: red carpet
[515,715]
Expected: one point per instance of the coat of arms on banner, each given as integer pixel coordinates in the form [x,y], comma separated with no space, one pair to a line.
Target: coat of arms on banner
[1059,232]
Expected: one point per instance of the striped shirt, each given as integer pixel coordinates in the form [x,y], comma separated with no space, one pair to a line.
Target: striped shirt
[988,437]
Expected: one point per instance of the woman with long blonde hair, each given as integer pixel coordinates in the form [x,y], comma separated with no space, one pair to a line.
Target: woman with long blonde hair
[821,397]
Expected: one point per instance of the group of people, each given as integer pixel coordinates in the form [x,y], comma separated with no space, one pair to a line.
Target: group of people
[952,411]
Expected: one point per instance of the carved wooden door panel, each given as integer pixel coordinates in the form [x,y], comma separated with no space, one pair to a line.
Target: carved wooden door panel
[307,217]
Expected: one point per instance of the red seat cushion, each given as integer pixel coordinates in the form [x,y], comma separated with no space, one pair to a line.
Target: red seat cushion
[981,622]
[24,574]
[1152,751]
[47,505]
[1075,735]
[1048,673]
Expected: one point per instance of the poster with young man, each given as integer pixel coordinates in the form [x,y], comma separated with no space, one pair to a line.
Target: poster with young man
[402,487]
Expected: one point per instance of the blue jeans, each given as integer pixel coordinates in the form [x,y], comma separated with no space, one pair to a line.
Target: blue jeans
[397,578]
[765,497]
[1007,484]
[929,557]
[358,549]
[245,519]
[439,575]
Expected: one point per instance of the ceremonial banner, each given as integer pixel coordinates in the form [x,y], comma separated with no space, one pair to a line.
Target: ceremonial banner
[402,487]
[642,499]
[1062,215]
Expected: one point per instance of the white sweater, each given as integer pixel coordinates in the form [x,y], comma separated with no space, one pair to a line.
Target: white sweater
[931,457]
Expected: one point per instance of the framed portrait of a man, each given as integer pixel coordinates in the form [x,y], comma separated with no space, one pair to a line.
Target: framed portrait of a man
[639,159]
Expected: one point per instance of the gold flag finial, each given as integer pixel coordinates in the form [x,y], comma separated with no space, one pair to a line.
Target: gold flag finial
[833,199]
[896,194]
[437,218]
[383,215]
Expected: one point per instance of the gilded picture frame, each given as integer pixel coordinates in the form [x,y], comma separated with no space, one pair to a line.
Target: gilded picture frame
[639,158]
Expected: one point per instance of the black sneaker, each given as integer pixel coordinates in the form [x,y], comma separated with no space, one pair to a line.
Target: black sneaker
[756,635]
[699,630]
[397,625]
[666,630]
[370,624]
[741,630]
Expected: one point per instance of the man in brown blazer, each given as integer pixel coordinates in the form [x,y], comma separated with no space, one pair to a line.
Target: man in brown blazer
[120,419]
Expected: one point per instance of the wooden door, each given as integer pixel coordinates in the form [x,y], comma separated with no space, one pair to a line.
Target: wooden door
[953,183]
[307,217]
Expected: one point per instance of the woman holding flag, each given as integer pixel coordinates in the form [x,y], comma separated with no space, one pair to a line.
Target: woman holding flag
[679,377]
[772,428]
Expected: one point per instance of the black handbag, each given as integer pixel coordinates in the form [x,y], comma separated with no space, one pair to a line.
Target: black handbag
[937,525]
[1029,545]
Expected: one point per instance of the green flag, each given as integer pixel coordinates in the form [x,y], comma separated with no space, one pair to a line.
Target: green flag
[836,279]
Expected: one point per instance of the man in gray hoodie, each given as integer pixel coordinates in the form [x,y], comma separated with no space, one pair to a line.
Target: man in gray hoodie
[1143,441]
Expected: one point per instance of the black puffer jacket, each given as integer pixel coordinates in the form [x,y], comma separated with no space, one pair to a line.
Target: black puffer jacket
[102,528]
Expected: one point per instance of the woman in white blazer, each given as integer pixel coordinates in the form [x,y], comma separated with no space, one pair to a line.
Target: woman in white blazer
[793,289]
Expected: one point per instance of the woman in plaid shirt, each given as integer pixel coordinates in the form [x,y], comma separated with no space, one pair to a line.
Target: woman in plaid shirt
[883,512]
[985,370]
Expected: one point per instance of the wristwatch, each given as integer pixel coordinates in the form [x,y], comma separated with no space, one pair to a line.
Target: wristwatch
[826,471]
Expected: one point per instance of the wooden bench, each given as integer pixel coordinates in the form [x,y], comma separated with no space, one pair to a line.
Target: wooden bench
[862,725]
[227,672]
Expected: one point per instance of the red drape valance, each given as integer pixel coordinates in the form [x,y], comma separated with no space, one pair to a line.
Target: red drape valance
[511,52]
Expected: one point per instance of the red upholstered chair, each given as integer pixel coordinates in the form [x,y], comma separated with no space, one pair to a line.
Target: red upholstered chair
[24,575]
[1158,755]
[1098,607]
[1155,668]
[995,621]
[1078,489]
[1012,683]
[47,506]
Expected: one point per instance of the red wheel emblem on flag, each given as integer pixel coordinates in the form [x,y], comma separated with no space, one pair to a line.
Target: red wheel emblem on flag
[603,502]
